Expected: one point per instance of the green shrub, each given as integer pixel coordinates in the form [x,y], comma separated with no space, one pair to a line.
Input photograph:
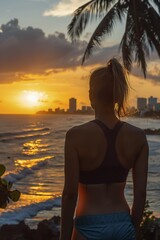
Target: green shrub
[5,190]
[150,226]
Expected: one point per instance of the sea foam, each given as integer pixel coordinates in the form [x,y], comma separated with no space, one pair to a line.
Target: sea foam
[20,214]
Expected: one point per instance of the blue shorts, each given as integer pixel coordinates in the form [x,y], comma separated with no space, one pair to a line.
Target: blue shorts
[110,226]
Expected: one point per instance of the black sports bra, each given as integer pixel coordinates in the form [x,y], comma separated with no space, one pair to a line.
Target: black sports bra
[110,170]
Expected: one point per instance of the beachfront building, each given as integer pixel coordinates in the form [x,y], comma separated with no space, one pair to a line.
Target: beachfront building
[152,101]
[87,109]
[50,110]
[90,109]
[141,104]
[72,105]
[83,109]
[59,110]
[157,107]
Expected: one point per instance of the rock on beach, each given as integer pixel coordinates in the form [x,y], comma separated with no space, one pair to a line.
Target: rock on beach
[46,230]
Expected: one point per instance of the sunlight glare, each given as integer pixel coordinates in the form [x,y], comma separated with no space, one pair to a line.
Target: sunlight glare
[33,98]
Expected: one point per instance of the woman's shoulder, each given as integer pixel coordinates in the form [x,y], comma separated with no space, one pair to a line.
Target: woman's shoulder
[81,128]
[133,128]
[133,131]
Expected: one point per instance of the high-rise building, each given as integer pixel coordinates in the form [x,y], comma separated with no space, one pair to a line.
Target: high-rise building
[89,108]
[157,107]
[72,105]
[152,101]
[84,108]
[141,104]
[59,110]
[50,110]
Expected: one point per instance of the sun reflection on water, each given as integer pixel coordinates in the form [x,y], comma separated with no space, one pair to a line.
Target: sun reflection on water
[34,147]
[32,162]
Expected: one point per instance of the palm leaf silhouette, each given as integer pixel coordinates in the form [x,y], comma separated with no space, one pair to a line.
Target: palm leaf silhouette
[141,34]
[104,27]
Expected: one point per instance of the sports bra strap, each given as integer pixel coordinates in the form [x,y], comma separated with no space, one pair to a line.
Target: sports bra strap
[110,134]
[109,131]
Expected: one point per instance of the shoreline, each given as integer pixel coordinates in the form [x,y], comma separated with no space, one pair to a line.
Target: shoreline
[78,113]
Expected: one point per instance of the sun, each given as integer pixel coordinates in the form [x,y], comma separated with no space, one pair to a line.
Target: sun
[32,98]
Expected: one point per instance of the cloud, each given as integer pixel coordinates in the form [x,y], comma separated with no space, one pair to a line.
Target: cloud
[153,71]
[28,52]
[64,8]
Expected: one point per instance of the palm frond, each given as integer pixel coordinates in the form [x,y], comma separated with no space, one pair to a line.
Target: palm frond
[126,53]
[104,27]
[138,33]
[146,45]
[100,6]
[140,58]
[151,24]
[79,20]
[153,20]
[86,12]
[144,20]
[126,42]
[157,3]
[152,40]
[142,34]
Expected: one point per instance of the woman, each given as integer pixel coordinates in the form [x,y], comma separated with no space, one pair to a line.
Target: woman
[98,157]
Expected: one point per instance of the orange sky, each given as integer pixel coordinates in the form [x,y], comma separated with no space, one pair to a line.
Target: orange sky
[54,90]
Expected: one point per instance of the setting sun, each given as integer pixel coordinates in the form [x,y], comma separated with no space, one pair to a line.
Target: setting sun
[33,98]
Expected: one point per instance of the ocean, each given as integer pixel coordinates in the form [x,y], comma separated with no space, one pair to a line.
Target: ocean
[32,149]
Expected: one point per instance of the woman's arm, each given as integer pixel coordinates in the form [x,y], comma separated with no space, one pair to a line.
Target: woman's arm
[139,175]
[70,191]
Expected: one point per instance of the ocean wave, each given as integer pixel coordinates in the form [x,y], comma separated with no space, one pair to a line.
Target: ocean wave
[29,136]
[4,137]
[22,173]
[23,132]
[19,214]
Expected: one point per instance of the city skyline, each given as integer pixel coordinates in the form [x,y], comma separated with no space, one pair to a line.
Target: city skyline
[72,108]
[141,105]
[151,104]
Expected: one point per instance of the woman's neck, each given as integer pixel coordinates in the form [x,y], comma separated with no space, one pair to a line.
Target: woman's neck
[106,115]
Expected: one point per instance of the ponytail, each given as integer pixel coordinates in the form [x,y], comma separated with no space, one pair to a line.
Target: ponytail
[120,86]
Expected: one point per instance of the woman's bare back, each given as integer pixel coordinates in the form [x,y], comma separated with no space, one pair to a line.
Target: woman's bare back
[91,146]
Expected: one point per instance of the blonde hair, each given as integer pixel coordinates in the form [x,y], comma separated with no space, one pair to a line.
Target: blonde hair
[110,85]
